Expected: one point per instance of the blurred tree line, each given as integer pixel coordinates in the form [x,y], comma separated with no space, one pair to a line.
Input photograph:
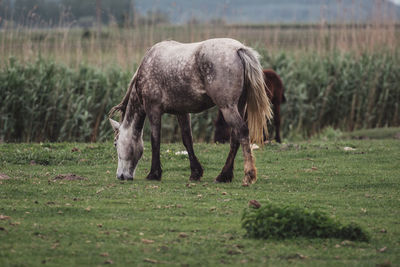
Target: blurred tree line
[86,13]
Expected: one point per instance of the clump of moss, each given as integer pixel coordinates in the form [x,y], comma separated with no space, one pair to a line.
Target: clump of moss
[279,222]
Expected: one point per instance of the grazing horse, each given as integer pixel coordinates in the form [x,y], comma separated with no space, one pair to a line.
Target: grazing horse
[180,79]
[274,90]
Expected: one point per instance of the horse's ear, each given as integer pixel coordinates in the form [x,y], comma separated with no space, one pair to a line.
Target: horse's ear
[115,125]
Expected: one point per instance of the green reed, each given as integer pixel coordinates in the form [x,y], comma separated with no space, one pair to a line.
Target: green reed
[343,91]
[48,101]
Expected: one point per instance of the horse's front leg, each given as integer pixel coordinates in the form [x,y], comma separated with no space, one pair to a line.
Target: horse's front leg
[186,131]
[155,126]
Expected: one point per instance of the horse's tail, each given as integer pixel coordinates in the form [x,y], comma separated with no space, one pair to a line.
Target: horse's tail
[258,104]
[121,107]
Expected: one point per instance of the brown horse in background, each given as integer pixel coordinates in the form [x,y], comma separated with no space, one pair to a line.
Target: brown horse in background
[274,91]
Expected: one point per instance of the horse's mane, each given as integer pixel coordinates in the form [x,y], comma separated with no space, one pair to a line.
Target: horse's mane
[121,107]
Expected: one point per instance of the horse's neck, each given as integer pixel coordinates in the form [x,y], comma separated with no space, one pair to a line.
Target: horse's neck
[135,120]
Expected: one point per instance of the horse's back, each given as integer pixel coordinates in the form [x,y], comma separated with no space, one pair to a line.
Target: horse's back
[191,77]
[174,54]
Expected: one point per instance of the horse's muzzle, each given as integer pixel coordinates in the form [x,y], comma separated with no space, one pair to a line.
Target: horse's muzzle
[124,177]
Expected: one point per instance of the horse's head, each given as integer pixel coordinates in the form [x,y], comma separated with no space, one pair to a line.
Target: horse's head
[129,148]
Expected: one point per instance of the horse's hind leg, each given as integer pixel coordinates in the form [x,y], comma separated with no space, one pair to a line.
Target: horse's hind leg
[155,125]
[186,131]
[226,174]
[222,133]
[240,135]
[277,122]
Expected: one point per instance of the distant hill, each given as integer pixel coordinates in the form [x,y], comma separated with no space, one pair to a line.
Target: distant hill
[271,11]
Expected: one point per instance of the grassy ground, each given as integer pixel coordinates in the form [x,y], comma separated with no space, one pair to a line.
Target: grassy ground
[99,220]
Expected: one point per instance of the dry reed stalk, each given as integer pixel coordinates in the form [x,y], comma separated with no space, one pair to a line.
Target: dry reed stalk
[350,120]
[325,99]
[371,100]
[383,99]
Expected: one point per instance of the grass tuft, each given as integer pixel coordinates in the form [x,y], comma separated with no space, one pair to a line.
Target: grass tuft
[280,222]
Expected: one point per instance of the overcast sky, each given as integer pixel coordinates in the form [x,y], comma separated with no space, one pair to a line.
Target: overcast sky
[397,2]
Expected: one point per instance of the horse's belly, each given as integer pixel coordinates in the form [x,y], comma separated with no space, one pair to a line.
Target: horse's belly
[187,101]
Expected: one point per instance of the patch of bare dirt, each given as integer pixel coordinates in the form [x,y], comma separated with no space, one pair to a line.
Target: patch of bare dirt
[4,176]
[68,177]
[4,217]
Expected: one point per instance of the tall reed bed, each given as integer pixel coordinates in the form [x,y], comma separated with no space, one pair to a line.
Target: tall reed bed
[125,46]
[344,91]
[45,100]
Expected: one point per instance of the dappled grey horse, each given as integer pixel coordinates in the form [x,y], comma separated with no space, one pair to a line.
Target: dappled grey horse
[180,79]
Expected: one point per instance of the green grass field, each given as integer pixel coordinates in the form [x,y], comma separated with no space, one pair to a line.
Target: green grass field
[100,220]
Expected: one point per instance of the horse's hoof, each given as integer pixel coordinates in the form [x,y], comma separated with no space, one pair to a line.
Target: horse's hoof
[123,178]
[224,177]
[249,178]
[222,180]
[153,177]
[194,179]
[196,175]
[247,182]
